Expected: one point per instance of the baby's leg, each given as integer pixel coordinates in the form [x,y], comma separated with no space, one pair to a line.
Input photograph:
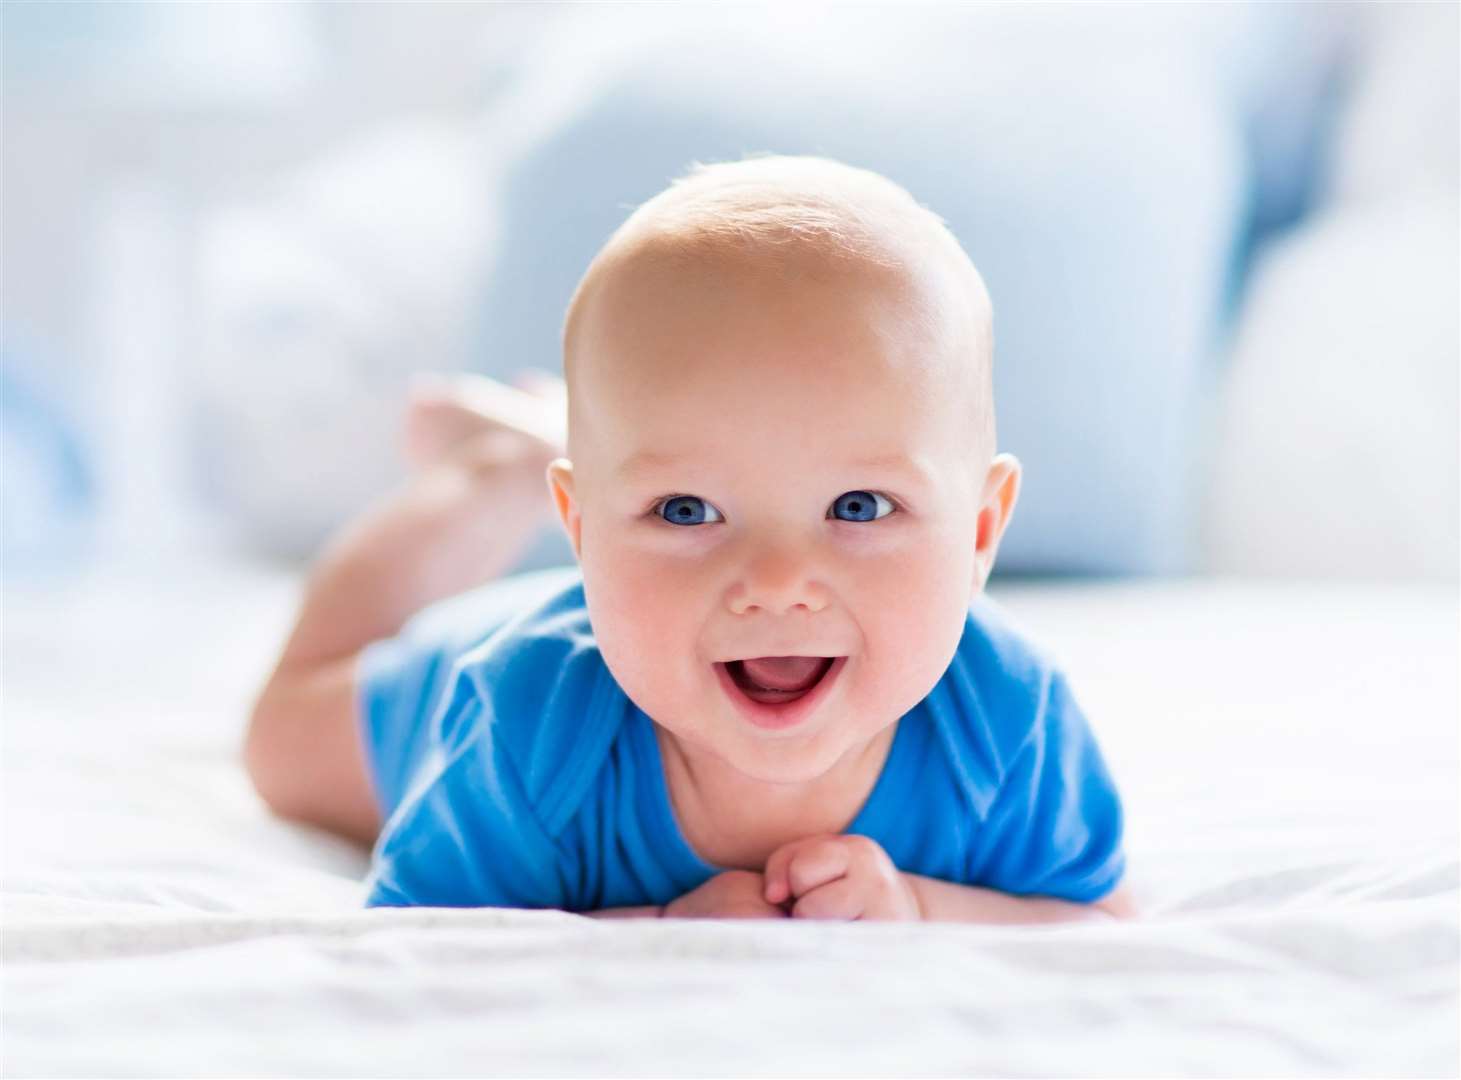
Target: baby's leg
[477,500]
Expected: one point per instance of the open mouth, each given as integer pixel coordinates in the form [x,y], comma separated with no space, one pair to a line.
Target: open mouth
[774,680]
[778,692]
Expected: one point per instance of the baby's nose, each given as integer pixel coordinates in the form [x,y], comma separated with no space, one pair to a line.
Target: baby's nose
[777,583]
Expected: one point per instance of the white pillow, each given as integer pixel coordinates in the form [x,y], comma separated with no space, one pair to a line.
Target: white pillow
[1336,448]
[1336,430]
[1398,129]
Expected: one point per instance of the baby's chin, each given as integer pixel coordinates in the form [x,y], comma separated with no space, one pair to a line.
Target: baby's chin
[786,766]
[789,762]
[796,757]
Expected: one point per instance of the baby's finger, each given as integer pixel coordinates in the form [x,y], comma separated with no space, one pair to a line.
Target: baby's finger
[840,899]
[776,889]
[777,886]
[819,861]
[778,880]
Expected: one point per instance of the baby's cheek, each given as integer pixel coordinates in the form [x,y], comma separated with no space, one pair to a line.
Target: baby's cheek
[644,623]
[914,615]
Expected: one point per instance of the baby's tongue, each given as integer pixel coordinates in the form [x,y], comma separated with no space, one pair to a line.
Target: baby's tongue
[783,672]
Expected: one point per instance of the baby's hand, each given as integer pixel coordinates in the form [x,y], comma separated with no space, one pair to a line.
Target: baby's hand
[839,876]
[734,894]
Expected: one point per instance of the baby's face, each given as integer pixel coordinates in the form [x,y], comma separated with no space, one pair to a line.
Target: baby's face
[768,465]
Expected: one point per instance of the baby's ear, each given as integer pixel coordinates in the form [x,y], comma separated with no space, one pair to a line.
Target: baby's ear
[996,505]
[560,487]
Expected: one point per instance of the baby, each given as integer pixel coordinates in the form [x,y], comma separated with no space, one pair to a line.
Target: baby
[772,685]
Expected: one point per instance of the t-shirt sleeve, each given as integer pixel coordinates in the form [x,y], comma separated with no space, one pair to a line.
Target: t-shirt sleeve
[401,680]
[397,684]
[1055,825]
[466,833]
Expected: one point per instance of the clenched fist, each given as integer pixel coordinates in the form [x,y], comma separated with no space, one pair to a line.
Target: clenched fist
[734,894]
[839,876]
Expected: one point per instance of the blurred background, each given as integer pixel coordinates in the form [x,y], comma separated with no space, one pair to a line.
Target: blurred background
[1221,241]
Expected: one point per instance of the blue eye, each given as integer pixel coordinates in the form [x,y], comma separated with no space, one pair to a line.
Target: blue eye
[860,506]
[688,510]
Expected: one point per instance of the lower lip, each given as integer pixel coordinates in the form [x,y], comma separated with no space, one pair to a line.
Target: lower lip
[779,717]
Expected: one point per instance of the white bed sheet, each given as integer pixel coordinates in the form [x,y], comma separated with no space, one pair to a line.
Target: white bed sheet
[1288,756]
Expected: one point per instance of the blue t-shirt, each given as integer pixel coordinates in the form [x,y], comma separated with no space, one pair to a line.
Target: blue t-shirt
[513,771]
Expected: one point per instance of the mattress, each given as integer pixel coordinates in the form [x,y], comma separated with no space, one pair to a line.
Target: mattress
[1287,754]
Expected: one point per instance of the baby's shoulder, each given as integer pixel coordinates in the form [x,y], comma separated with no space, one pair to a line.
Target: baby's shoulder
[992,699]
[537,688]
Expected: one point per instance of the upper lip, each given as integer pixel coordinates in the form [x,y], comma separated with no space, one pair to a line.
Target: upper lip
[760,655]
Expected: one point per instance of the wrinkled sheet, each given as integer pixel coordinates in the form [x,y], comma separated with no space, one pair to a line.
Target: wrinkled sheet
[1287,754]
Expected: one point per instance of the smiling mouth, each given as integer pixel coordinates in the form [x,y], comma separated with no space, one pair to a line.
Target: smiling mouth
[776,680]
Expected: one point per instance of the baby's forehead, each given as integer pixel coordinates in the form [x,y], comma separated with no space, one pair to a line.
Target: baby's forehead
[804,320]
[813,381]
[773,342]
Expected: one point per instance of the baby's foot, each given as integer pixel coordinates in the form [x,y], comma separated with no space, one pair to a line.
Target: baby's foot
[448,414]
[471,514]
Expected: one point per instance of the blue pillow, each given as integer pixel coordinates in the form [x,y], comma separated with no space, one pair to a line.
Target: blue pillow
[1098,176]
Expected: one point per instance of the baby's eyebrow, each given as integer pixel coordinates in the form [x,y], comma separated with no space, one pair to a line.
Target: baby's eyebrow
[890,461]
[648,461]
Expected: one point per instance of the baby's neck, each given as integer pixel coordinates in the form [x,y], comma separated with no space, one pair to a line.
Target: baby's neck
[734,822]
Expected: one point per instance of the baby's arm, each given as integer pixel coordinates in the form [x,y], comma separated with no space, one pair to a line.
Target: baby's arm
[946,901]
[732,894]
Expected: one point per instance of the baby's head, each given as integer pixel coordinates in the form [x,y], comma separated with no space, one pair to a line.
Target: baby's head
[781,443]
